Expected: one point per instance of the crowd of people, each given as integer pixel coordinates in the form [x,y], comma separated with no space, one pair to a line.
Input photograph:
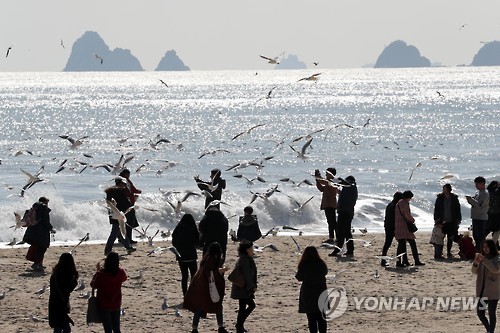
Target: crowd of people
[203,287]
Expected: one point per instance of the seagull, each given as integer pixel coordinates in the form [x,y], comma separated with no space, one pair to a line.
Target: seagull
[418,165]
[313,77]
[307,136]
[166,234]
[302,153]
[439,94]
[268,96]
[246,131]
[62,44]
[81,286]
[32,179]
[137,277]
[74,143]
[251,181]
[8,51]
[365,243]
[315,63]
[268,232]
[118,215]
[35,319]
[334,277]
[376,275]
[271,60]
[367,122]
[2,295]
[178,313]
[12,242]
[270,246]
[83,239]
[85,296]
[163,82]
[213,152]
[363,231]
[174,251]
[42,290]
[164,305]
[301,205]
[388,258]
[215,203]
[99,58]
[299,251]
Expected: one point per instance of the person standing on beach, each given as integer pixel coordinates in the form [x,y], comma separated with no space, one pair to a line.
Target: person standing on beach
[63,280]
[345,208]
[133,193]
[402,233]
[494,210]
[185,238]
[389,222]
[213,228]
[248,227]
[119,194]
[480,203]
[448,215]
[108,281]
[312,272]
[198,298]
[38,234]
[487,267]
[328,200]
[213,188]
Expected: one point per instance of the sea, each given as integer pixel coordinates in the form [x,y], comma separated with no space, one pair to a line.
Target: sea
[392,129]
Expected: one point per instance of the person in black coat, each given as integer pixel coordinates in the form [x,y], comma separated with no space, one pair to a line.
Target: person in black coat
[312,272]
[447,213]
[389,223]
[63,281]
[185,238]
[38,235]
[248,228]
[214,187]
[246,294]
[213,228]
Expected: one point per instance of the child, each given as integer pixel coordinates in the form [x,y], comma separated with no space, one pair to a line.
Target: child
[466,246]
[437,239]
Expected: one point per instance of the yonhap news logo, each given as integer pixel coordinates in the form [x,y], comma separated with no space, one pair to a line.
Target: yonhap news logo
[333,302]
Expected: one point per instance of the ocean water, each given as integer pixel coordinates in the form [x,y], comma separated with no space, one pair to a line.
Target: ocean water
[374,124]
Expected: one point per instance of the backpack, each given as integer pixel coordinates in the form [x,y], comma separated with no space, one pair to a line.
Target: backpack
[29,218]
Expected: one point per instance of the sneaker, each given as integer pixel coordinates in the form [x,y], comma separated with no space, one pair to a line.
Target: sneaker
[419,263]
[222,330]
[194,330]
[131,250]
[37,267]
[439,257]
[133,242]
[333,254]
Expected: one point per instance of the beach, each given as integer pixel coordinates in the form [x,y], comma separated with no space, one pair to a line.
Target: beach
[448,280]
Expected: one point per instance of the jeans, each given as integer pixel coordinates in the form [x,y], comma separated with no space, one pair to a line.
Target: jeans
[115,232]
[316,322]
[479,232]
[244,311]
[111,321]
[331,219]
[492,313]
[187,267]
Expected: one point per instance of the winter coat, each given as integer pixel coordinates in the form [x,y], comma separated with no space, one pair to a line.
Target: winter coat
[248,269]
[213,227]
[456,213]
[61,286]
[120,194]
[389,220]
[185,238]
[330,191]
[217,193]
[347,199]
[197,297]
[132,191]
[248,229]
[402,217]
[109,288]
[494,209]
[39,233]
[467,248]
[488,278]
[312,275]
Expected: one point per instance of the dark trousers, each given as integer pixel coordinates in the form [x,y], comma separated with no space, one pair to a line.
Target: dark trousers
[331,219]
[344,232]
[402,249]
[115,232]
[36,253]
[197,316]
[246,306]
[492,313]
[479,232]
[389,236]
[65,329]
[187,267]
[451,231]
[111,321]
[316,322]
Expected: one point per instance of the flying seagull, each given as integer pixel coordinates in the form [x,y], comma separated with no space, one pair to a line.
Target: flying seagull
[99,58]
[62,44]
[8,51]
[163,82]
[246,131]
[313,77]
[271,60]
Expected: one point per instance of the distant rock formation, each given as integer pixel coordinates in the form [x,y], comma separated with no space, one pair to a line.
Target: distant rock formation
[488,55]
[291,62]
[90,53]
[398,54]
[171,62]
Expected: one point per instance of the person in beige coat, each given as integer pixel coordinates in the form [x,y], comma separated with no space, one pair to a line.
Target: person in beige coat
[487,267]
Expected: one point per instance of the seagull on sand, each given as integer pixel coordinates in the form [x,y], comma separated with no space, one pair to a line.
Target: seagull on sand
[42,290]
[12,242]
[313,77]
[389,258]
[164,305]
[81,286]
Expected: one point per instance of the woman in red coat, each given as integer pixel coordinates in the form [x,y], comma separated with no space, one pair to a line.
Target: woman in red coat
[108,282]
[402,233]
[198,298]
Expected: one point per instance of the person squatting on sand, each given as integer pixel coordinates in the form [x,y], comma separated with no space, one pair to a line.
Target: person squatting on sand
[133,193]
[119,194]
[479,211]
[38,235]
[345,208]
[328,200]
[108,282]
[63,280]
[487,267]
[185,238]
[312,272]
[389,222]
[402,233]
[447,218]
[198,298]
[248,227]
[246,293]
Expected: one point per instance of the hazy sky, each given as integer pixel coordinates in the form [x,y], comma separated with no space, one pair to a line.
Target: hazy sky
[230,34]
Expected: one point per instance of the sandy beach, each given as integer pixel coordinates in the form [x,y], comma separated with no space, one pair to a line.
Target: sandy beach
[276,298]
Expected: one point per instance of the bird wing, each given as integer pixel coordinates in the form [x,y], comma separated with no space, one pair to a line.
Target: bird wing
[263,57]
[307,144]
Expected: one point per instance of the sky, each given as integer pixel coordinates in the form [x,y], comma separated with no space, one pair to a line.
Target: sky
[231,34]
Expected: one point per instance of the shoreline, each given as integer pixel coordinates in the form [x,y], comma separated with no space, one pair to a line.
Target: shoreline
[276,297]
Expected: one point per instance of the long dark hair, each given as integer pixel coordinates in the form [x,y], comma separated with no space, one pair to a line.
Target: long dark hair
[111,263]
[186,222]
[214,253]
[493,248]
[66,266]
[310,254]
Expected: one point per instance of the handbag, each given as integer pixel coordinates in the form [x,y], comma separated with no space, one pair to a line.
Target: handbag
[236,277]
[212,288]
[93,315]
